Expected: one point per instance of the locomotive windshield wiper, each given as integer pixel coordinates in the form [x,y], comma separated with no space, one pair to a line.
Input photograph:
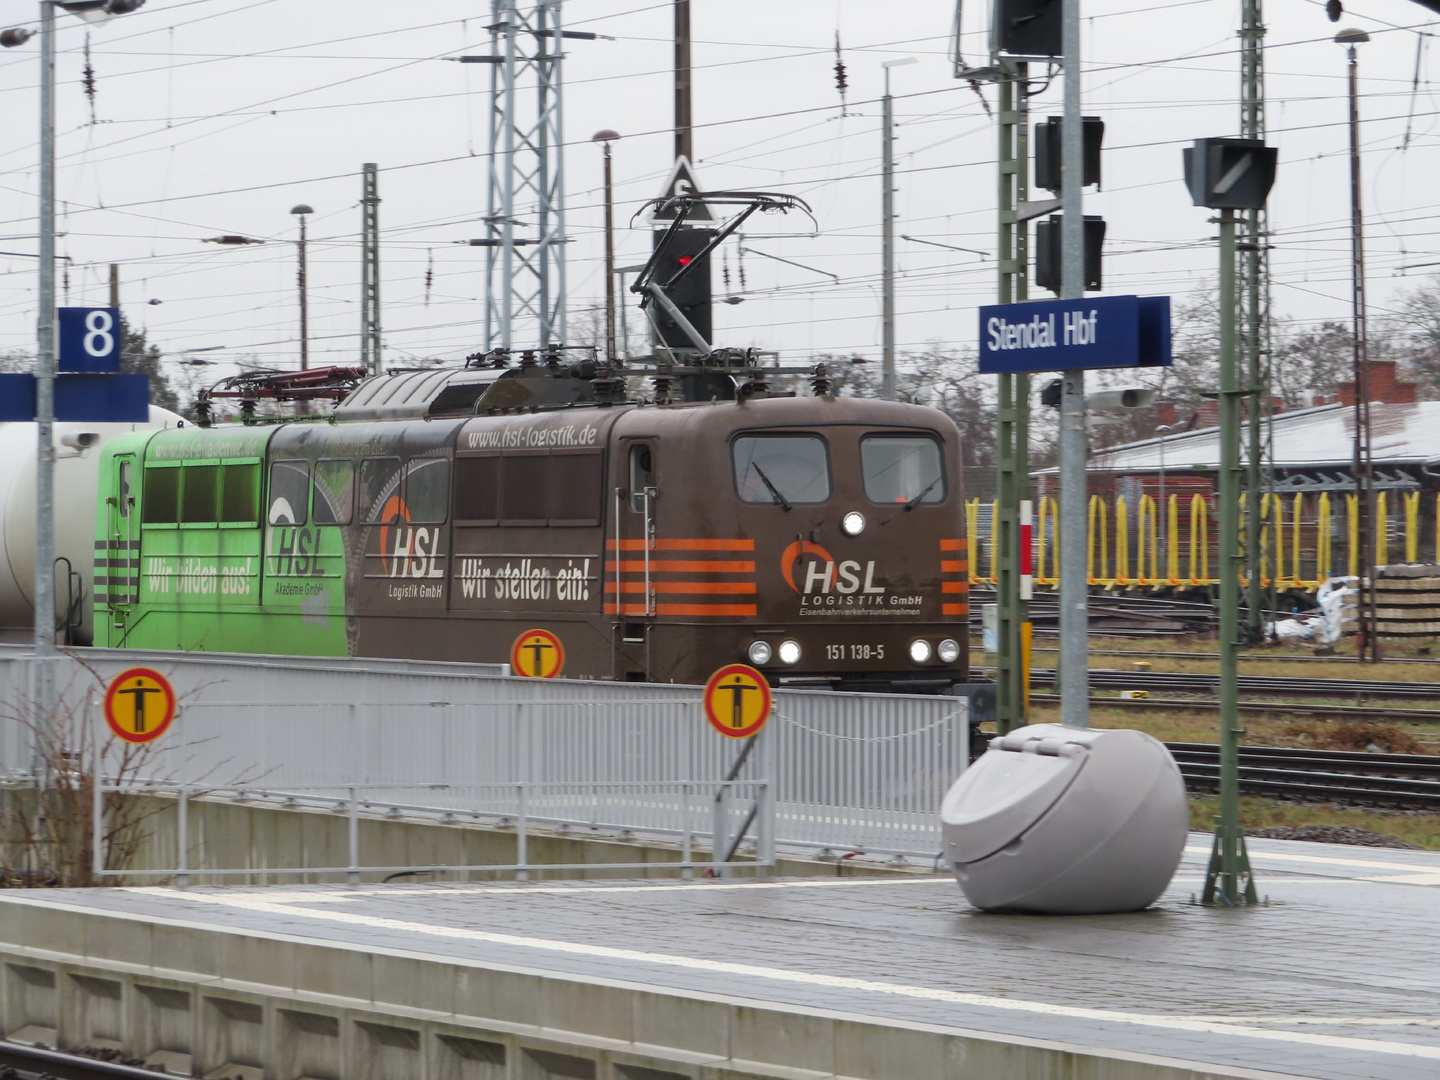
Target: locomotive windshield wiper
[774,491]
[910,504]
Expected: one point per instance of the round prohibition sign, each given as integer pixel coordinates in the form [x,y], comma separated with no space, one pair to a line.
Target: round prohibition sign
[139,705]
[537,654]
[737,701]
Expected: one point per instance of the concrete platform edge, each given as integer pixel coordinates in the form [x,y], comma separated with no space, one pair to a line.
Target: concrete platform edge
[215,996]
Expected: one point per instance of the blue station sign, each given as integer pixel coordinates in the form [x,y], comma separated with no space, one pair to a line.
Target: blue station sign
[100,399]
[1057,335]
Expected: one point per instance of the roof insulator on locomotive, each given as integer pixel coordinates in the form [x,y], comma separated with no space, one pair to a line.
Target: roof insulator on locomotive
[662,384]
[552,357]
[495,358]
[527,358]
[754,387]
[608,386]
[820,380]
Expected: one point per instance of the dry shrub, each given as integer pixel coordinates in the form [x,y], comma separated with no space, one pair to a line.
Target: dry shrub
[1358,735]
[47,831]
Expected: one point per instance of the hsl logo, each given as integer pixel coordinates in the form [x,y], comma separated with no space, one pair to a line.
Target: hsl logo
[414,550]
[294,552]
[823,575]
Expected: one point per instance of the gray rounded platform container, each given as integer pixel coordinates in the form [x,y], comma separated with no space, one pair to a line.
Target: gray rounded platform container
[1066,821]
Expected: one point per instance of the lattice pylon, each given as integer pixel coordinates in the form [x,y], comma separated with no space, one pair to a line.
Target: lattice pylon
[525,205]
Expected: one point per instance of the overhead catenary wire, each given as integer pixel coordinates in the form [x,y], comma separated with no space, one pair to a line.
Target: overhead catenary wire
[860,176]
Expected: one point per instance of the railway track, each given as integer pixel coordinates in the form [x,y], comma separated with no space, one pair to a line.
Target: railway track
[1395,781]
[1387,781]
[1151,654]
[1254,685]
[1261,708]
[1113,615]
[21,1062]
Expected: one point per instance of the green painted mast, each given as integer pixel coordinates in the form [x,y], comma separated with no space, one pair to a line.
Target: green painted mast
[1228,879]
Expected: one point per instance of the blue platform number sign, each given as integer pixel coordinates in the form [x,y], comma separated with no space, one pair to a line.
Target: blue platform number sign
[89,339]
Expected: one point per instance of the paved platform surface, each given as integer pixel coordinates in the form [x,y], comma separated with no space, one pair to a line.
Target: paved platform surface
[1338,977]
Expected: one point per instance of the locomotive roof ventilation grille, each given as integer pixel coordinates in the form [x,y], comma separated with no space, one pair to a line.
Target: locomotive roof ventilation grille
[415,395]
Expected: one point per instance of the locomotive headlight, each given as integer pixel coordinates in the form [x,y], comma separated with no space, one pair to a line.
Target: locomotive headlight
[920,651]
[789,652]
[948,651]
[853,523]
[759,653]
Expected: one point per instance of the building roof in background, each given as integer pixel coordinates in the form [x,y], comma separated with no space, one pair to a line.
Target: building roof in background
[1306,438]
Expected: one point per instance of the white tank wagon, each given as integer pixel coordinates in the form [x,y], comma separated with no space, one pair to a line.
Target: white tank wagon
[77,449]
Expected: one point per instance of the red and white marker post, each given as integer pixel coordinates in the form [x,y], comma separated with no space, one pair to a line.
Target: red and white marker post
[1027,548]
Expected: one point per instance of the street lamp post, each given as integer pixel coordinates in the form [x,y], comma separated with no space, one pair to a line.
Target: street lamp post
[606,137]
[303,211]
[1364,481]
[887,231]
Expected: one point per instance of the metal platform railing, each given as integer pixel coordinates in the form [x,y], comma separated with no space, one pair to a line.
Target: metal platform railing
[844,772]
[693,814]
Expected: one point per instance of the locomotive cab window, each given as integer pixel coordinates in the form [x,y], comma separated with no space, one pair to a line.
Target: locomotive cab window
[289,493]
[126,494]
[905,469]
[781,470]
[642,475]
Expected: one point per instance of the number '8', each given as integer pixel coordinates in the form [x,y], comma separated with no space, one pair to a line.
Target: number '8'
[99,341]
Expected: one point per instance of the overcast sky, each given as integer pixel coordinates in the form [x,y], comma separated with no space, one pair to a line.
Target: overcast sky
[217,116]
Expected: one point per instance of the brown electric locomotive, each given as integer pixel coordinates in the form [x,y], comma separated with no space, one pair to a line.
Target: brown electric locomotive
[818,538]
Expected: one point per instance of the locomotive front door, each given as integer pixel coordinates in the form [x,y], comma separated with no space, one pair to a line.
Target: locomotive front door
[117,556]
[629,568]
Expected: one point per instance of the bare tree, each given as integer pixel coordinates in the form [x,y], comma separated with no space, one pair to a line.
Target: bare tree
[944,378]
[1195,348]
[47,826]
[1417,335]
[1313,363]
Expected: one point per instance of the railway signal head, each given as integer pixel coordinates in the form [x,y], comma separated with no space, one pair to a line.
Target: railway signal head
[1026,28]
[1048,152]
[691,294]
[1048,253]
[1230,174]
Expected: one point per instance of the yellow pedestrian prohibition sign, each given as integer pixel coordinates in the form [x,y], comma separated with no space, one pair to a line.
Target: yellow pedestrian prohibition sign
[139,705]
[737,701]
[537,654]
